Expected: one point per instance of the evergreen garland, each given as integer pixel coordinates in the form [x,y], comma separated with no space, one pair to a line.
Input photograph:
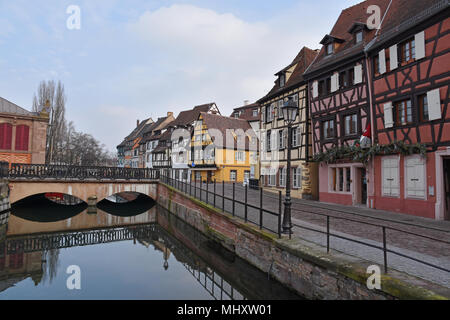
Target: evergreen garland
[358,154]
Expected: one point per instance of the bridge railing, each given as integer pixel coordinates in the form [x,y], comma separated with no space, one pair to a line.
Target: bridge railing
[64,172]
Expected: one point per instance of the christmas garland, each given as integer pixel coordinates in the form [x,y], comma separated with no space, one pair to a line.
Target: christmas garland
[358,154]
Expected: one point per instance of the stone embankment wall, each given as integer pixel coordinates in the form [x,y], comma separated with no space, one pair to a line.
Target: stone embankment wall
[300,265]
[4,207]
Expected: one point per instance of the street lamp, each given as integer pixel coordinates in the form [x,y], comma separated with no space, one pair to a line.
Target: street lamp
[290,110]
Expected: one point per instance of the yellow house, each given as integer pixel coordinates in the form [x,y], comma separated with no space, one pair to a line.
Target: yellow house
[222,149]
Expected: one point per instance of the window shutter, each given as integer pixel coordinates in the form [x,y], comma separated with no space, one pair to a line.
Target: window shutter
[315,89]
[390,177]
[263,114]
[382,59]
[434,104]
[393,55]
[415,185]
[334,82]
[420,45]
[358,73]
[388,117]
[6,136]
[273,140]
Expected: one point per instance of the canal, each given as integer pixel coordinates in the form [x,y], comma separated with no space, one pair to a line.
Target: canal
[123,250]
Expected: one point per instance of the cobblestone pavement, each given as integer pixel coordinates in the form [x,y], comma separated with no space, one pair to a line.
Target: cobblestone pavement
[430,241]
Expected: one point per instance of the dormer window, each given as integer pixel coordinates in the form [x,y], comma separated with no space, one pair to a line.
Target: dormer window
[330,48]
[282,79]
[359,37]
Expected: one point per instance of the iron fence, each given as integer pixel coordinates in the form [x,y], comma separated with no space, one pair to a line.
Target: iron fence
[64,172]
[258,215]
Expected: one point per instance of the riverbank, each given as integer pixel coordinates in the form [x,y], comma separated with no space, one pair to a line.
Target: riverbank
[301,265]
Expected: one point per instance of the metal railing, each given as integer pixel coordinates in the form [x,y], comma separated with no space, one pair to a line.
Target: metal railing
[64,172]
[383,240]
[255,214]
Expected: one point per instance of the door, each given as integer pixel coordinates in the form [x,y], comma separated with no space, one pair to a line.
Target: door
[447,188]
[208,177]
[363,186]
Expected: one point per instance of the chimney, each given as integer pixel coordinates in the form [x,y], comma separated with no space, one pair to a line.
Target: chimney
[169,114]
[246,102]
[137,123]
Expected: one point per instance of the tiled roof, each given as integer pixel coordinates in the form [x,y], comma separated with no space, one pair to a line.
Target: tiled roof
[303,59]
[189,116]
[348,48]
[397,13]
[9,107]
[221,123]
[246,112]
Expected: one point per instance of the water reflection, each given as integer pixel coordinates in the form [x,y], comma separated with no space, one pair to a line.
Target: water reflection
[126,204]
[39,208]
[113,253]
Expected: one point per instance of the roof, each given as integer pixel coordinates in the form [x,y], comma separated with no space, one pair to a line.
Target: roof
[402,16]
[9,107]
[303,59]
[356,14]
[226,125]
[189,116]
[246,112]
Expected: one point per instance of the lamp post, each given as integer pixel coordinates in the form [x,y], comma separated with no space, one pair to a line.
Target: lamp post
[290,110]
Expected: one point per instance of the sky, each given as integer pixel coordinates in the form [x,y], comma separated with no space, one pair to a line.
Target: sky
[137,59]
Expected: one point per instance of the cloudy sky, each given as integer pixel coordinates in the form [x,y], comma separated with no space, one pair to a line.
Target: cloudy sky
[136,59]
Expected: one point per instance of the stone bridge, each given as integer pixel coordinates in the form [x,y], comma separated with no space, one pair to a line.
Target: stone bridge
[82,182]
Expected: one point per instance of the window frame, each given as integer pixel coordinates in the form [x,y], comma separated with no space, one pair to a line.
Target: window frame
[420,106]
[397,113]
[411,42]
[322,125]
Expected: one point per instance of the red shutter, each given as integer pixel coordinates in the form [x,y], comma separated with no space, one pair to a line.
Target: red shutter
[5,136]
[22,135]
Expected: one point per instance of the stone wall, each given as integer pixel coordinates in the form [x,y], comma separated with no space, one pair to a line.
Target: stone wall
[300,265]
[4,196]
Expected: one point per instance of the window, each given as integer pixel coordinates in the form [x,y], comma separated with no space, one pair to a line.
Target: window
[359,37]
[198,176]
[328,86]
[236,115]
[330,48]
[296,136]
[408,51]
[322,88]
[390,176]
[415,177]
[239,156]
[255,112]
[403,113]
[341,179]
[297,177]
[272,179]
[351,77]
[328,129]
[282,80]
[270,112]
[423,108]
[268,144]
[233,175]
[350,124]
[348,179]
[343,79]
[282,177]
[280,108]
[282,138]
[5,136]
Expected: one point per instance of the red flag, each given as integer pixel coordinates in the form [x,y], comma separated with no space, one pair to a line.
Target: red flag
[367,133]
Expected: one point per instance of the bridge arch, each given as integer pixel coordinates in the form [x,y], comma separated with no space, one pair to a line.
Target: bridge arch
[21,189]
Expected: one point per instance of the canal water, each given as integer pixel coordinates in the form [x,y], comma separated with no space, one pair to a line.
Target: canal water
[123,250]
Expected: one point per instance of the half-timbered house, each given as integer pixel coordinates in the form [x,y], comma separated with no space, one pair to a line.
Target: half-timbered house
[289,84]
[410,66]
[339,101]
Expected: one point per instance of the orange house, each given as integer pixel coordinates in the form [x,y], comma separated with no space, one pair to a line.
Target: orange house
[23,134]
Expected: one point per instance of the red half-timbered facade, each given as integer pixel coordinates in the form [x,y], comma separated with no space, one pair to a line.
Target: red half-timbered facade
[410,69]
[339,94]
